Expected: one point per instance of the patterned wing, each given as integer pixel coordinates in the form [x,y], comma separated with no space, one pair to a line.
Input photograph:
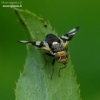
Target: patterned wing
[67,37]
[39,44]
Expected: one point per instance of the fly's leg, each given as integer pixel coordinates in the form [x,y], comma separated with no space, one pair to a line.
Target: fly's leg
[46,53]
[45,60]
[52,67]
[61,69]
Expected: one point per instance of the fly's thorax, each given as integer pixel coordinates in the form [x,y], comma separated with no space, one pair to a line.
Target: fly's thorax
[57,47]
[61,56]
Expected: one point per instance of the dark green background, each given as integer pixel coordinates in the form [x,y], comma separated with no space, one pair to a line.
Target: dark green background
[63,16]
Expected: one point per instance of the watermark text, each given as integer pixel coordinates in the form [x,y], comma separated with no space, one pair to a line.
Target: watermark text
[11,4]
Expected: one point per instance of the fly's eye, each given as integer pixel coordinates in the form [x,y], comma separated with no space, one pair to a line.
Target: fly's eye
[65,55]
[61,55]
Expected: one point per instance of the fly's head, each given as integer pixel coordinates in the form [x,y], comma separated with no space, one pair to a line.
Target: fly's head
[61,57]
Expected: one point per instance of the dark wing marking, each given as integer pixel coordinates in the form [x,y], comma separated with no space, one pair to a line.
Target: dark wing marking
[39,44]
[54,43]
[67,37]
[50,38]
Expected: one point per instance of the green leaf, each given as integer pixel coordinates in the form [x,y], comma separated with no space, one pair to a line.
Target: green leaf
[35,83]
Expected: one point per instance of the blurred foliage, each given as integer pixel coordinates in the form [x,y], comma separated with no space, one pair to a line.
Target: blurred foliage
[63,16]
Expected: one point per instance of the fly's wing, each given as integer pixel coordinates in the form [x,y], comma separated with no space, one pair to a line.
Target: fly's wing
[39,44]
[67,37]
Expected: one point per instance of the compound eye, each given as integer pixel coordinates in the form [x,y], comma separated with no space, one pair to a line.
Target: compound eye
[61,55]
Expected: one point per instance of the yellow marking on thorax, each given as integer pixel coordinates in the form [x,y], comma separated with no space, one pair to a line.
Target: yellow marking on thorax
[55,43]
